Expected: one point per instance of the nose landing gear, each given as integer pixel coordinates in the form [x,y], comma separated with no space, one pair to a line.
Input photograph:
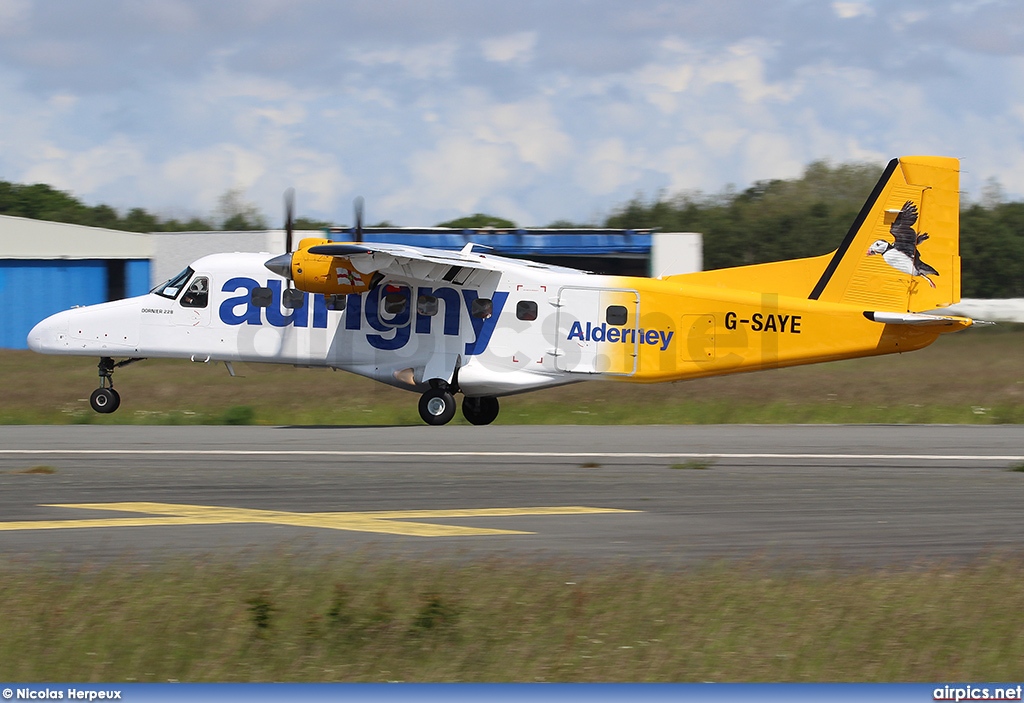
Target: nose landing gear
[105,399]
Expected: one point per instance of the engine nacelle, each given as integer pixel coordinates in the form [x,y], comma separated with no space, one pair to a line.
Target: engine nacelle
[326,275]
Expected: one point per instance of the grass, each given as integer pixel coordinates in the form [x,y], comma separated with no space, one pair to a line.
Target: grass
[357,619]
[41,469]
[354,618]
[973,377]
[694,465]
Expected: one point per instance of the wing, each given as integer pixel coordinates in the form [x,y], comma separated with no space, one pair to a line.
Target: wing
[902,229]
[461,268]
[415,263]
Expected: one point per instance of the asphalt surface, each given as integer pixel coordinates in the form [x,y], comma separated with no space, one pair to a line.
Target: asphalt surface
[674,495]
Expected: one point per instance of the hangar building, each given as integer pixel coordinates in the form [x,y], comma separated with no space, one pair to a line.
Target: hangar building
[46,267]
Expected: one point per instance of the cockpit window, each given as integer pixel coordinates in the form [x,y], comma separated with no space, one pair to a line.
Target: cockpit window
[171,288]
[198,293]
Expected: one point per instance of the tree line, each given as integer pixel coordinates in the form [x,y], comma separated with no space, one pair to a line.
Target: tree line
[42,202]
[769,221]
[785,219]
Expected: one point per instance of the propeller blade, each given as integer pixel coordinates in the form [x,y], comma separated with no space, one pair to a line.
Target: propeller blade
[289,211]
[358,206]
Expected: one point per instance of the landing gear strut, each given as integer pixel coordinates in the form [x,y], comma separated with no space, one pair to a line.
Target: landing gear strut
[105,399]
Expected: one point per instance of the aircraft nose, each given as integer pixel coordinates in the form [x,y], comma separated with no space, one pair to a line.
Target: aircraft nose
[50,335]
[281,265]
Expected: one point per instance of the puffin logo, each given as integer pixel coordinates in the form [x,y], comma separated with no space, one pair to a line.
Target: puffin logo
[902,254]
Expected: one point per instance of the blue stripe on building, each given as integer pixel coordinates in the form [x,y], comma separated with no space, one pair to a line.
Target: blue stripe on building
[517,242]
[31,290]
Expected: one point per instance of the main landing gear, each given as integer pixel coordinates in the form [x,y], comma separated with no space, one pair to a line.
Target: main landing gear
[105,399]
[480,411]
[437,407]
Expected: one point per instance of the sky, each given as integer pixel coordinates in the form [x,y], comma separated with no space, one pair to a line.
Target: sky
[534,111]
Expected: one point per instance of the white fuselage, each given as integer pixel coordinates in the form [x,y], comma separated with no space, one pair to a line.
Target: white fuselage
[499,355]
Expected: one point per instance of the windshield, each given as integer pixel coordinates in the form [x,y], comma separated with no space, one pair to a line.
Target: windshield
[171,288]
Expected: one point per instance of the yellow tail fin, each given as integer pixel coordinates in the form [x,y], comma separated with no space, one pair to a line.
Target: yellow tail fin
[903,251]
[886,262]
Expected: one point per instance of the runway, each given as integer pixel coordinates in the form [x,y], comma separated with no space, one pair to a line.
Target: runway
[668,495]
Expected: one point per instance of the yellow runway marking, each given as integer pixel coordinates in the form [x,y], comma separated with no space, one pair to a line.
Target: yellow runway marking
[383,522]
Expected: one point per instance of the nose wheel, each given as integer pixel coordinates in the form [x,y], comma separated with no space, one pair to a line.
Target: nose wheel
[105,399]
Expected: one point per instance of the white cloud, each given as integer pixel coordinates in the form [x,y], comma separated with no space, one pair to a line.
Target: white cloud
[541,115]
[14,16]
[421,62]
[207,173]
[849,10]
[743,67]
[174,15]
[87,170]
[608,166]
[530,127]
[63,101]
[511,48]
[457,175]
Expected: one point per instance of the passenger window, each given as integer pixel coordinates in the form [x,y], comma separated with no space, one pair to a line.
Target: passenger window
[198,293]
[481,308]
[427,305]
[616,315]
[394,306]
[526,310]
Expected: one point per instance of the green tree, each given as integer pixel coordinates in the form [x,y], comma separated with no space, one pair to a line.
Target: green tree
[307,223]
[138,220]
[992,251]
[236,214]
[479,221]
[103,216]
[769,221]
[568,224]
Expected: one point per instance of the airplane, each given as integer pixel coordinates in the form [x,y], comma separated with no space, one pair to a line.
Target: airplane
[440,323]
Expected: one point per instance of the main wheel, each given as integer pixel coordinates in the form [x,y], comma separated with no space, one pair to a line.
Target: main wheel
[105,400]
[437,407]
[480,411]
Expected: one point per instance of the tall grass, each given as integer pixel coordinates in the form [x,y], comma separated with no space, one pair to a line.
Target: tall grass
[354,619]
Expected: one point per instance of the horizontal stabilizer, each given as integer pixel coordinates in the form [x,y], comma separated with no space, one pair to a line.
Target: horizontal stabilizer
[917,319]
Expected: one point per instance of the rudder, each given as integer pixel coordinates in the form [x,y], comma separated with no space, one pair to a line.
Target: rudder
[892,260]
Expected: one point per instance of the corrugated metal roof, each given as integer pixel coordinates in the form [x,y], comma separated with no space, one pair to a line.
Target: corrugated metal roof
[22,238]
